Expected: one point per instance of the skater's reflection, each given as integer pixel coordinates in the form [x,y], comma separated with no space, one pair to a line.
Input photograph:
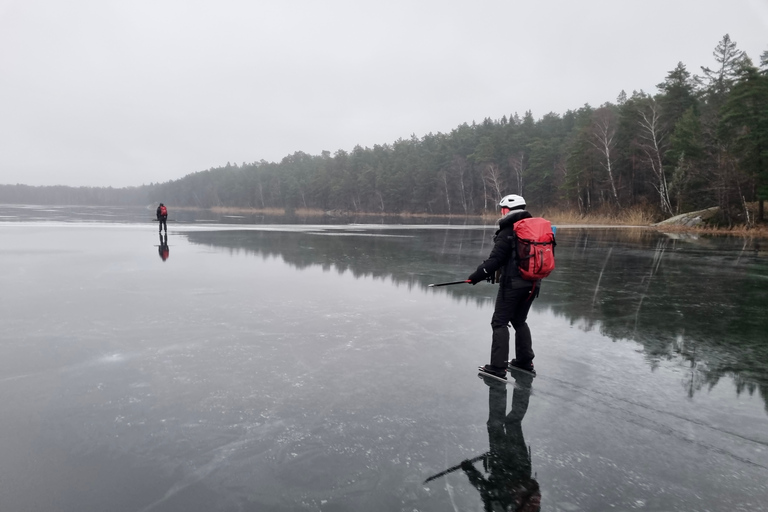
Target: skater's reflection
[507,483]
[163,249]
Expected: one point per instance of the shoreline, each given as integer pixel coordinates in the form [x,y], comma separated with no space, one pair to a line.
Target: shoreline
[632,219]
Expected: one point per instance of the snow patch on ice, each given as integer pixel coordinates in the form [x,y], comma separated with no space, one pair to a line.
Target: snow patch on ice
[112,358]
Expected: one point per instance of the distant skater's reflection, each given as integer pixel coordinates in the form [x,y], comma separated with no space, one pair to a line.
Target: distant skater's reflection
[507,484]
[163,249]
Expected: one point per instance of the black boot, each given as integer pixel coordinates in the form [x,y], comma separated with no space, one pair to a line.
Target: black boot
[517,365]
[493,371]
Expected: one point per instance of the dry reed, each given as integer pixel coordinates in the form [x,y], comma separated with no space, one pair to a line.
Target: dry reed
[236,210]
[627,217]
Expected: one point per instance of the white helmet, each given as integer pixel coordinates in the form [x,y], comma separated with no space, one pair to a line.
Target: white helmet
[512,201]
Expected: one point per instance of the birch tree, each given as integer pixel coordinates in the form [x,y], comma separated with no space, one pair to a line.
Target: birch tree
[603,136]
[460,167]
[444,179]
[492,177]
[517,163]
[651,144]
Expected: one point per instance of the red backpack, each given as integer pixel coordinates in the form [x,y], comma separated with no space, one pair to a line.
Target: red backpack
[163,211]
[535,248]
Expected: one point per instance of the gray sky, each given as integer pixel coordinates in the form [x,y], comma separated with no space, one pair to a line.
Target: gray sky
[119,93]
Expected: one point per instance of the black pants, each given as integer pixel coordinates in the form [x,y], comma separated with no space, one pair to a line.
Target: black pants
[162,224]
[512,306]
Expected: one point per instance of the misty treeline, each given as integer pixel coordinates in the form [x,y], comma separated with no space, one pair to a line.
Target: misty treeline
[700,141]
[63,195]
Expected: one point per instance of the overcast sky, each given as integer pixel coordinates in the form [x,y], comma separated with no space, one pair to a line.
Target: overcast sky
[121,93]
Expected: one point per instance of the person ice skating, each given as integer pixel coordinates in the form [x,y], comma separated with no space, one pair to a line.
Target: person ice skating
[507,483]
[162,217]
[515,294]
[163,250]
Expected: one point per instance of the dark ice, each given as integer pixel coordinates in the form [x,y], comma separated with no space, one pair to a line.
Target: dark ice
[303,365]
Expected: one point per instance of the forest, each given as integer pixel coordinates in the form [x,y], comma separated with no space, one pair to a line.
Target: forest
[701,140]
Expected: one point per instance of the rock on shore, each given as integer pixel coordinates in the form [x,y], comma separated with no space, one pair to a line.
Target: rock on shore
[690,219]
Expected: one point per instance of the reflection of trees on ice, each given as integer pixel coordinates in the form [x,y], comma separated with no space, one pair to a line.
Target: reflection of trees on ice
[630,284]
[658,254]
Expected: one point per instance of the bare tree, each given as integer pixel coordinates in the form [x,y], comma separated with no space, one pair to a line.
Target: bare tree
[459,165]
[603,133]
[517,163]
[261,191]
[652,146]
[561,174]
[492,176]
[485,195]
[580,199]
[303,196]
[444,177]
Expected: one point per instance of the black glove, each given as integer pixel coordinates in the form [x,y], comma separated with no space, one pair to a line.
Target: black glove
[478,275]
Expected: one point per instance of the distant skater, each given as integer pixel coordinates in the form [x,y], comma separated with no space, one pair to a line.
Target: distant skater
[162,217]
[515,295]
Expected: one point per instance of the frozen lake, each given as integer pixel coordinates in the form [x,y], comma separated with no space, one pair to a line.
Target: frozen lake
[292,367]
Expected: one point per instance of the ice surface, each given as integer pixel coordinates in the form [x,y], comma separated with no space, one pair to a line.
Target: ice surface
[263,367]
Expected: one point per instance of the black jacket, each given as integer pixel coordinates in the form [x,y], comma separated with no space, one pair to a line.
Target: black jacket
[503,255]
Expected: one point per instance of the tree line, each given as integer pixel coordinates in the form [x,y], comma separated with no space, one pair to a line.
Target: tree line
[63,195]
[701,140]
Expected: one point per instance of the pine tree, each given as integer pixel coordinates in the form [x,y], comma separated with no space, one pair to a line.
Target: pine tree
[686,151]
[718,82]
[764,62]
[744,124]
[678,94]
